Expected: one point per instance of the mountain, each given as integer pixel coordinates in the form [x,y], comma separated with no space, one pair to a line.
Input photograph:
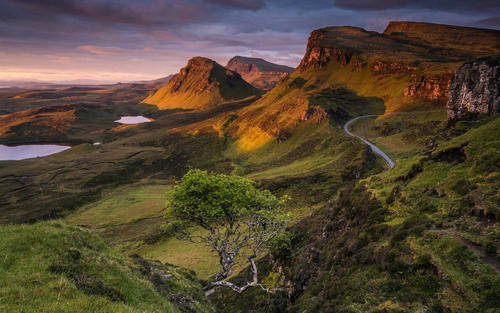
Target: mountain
[259,72]
[347,71]
[201,84]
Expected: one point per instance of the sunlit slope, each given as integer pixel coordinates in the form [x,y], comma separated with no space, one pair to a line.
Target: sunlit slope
[348,71]
[468,40]
[201,84]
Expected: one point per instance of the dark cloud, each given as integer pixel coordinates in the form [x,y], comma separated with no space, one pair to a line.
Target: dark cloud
[445,5]
[239,4]
[490,21]
[136,36]
[147,12]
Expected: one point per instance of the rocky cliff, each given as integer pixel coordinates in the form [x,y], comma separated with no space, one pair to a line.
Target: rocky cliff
[432,87]
[259,72]
[203,83]
[319,51]
[475,88]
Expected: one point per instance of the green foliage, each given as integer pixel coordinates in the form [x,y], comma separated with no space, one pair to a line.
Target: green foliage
[237,219]
[281,246]
[205,199]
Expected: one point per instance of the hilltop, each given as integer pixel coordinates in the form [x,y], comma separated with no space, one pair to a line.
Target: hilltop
[259,72]
[202,84]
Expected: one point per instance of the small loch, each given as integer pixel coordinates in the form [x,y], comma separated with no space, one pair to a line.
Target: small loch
[133,119]
[23,152]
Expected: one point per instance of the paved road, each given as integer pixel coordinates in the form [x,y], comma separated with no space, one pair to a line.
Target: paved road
[374,148]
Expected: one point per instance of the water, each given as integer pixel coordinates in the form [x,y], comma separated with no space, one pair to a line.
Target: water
[29,151]
[133,120]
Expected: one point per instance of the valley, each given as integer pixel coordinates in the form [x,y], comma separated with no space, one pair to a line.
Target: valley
[393,183]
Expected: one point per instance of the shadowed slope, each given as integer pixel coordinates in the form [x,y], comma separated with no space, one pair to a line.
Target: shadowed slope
[201,84]
[259,72]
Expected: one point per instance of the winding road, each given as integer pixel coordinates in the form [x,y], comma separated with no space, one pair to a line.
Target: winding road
[374,148]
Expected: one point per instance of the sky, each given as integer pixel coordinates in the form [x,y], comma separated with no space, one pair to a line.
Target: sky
[131,40]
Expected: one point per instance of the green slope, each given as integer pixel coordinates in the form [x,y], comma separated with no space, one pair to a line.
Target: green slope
[422,237]
[52,267]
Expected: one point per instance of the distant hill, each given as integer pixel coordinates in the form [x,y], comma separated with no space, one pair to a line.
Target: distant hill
[14,85]
[468,39]
[202,84]
[259,72]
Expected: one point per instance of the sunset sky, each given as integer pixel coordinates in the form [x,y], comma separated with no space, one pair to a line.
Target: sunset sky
[128,40]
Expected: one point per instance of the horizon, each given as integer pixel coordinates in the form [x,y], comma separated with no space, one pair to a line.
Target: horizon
[106,42]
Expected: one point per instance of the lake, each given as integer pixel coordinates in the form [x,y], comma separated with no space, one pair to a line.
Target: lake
[133,120]
[22,152]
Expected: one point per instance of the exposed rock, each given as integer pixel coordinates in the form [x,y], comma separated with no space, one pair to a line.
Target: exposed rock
[388,68]
[429,87]
[475,88]
[318,53]
[258,72]
[314,113]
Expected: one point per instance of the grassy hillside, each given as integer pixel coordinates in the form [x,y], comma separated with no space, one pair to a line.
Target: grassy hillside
[465,39]
[200,85]
[52,267]
[349,68]
[422,237]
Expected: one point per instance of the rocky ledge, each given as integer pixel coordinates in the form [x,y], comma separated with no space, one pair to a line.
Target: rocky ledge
[475,89]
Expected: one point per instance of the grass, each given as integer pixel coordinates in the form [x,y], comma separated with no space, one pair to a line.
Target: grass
[123,205]
[70,269]
[196,257]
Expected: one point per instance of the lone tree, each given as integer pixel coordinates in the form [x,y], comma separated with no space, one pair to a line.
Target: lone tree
[239,221]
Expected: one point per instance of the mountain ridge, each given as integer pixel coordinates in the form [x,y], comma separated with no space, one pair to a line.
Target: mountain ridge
[259,72]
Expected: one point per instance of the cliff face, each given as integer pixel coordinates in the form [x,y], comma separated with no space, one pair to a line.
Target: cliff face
[475,88]
[319,52]
[434,87]
[258,72]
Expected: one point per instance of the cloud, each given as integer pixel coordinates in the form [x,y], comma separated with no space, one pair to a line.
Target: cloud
[147,12]
[444,5]
[490,21]
[253,5]
[101,50]
[157,37]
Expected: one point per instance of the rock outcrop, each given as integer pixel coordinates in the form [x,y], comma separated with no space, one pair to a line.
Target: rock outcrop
[433,87]
[475,88]
[202,84]
[259,72]
[319,51]
[388,68]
